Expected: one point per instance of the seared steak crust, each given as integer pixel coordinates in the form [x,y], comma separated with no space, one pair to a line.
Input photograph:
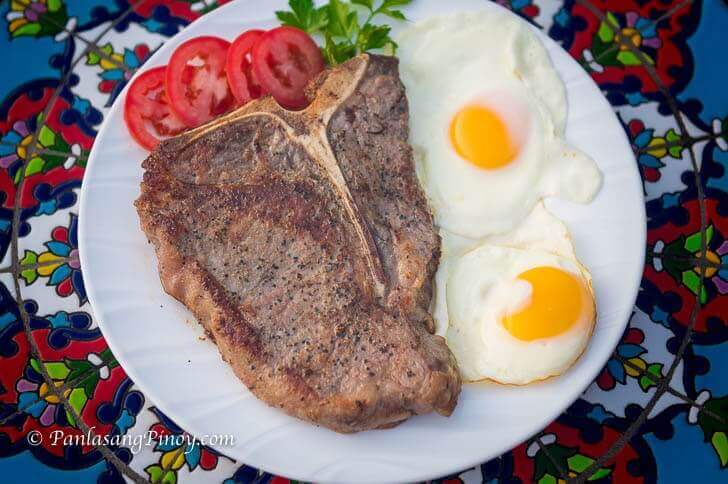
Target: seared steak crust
[303,244]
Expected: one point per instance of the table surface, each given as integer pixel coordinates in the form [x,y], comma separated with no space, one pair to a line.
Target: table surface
[657,412]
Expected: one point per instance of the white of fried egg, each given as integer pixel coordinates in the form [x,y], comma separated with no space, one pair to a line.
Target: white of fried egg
[541,230]
[487,119]
[517,312]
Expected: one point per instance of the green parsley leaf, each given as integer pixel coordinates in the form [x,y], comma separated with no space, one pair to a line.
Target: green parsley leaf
[373,37]
[386,8]
[305,16]
[343,20]
[319,20]
[396,14]
[337,52]
[340,24]
[290,19]
[395,3]
[364,3]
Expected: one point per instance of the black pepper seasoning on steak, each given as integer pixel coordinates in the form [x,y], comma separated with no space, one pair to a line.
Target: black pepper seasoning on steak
[303,243]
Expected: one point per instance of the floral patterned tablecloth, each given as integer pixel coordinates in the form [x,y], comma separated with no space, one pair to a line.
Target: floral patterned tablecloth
[657,412]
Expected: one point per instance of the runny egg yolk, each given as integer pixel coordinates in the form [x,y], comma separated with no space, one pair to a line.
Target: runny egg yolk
[558,300]
[480,136]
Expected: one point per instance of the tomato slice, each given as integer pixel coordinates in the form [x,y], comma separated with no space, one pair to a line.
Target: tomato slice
[239,67]
[285,59]
[196,82]
[147,112]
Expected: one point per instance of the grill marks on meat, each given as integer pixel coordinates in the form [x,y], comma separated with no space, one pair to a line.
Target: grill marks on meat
[303,244]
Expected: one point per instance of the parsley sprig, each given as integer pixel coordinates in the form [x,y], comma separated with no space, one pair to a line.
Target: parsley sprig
[339,22]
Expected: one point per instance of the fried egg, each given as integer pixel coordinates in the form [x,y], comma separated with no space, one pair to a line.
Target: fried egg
[541,230]
[519,307]
[487,119]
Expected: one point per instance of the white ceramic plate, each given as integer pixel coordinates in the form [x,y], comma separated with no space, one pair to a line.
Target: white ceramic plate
[156,339]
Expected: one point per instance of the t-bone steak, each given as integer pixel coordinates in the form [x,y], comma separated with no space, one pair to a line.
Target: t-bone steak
[304,245]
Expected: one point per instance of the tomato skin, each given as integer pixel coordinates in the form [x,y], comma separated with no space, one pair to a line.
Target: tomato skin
[147,112]
[196,82]
[239,68]
[285,59]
